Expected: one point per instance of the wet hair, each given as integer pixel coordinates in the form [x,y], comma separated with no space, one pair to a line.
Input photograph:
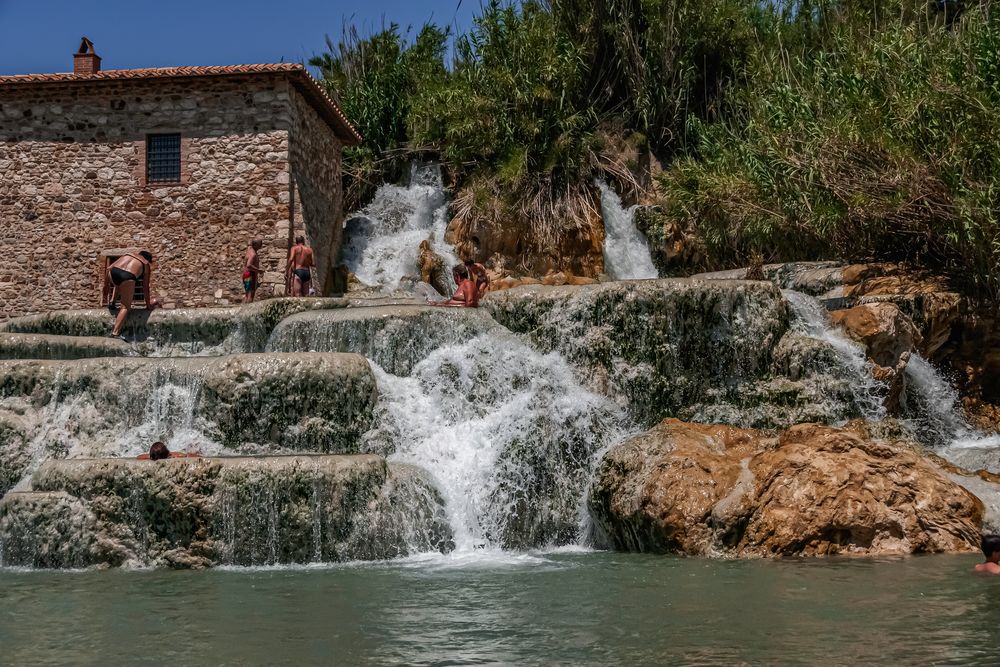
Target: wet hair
[148,255]
[256,243]
[158,451]
[300,239]
[990,545]
[461,271]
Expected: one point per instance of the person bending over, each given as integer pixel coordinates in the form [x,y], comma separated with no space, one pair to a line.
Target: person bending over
[251,270]
[300,260]
[991,550]
[123,274]
[467,296]
[478,273]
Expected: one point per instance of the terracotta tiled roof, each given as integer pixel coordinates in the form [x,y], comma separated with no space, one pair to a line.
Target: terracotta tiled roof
[307,85]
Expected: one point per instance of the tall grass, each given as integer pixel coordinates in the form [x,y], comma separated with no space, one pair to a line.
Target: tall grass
[886,147]
[788,129]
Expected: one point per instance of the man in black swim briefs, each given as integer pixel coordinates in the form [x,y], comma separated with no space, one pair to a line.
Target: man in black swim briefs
[300,260]
[123,274]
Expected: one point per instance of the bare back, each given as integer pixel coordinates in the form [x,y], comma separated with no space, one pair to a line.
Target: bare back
[252,261]
[134,265]
[300,257]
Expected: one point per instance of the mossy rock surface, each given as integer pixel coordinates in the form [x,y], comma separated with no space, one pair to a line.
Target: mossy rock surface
[207,511]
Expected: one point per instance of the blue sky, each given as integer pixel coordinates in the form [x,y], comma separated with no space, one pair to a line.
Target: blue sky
[41,35]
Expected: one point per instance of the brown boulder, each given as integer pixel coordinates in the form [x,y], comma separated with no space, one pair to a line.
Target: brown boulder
[432,269]
[889,337]
[814,490]
[535,233]
[509,282]
[554,278]
[925,297]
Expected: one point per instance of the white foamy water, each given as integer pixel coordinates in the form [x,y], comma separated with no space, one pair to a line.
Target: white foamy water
[383,238]
[626,250]
[811,319]
[508,436]
[935,415]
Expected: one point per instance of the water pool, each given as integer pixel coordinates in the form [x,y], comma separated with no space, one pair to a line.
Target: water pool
[497,608]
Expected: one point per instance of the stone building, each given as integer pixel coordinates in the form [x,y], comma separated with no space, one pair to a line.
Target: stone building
[189,162]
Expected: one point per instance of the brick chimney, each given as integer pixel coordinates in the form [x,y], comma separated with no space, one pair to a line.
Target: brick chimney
[85,60]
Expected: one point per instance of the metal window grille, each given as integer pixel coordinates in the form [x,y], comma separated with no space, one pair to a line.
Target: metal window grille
[163,158]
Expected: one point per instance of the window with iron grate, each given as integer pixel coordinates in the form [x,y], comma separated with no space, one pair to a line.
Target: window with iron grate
[163,158]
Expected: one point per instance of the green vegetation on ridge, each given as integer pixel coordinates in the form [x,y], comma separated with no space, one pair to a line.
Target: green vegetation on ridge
[795,129]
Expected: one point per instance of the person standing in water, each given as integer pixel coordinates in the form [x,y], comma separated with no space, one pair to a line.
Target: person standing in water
[251,270]
[991,550]
[467,296]
[300,260]
[123,274]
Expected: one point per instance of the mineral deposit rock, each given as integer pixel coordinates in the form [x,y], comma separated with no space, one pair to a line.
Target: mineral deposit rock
[200,512]
[889,337]
[813,490]
[660,346]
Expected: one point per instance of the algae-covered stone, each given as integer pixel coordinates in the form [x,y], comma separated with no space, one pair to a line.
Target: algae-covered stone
[14,455]
[394,336]
[656,345]
[305,402]
[208,511]
[253,403]
[50,530]
[45,346]
[181,331]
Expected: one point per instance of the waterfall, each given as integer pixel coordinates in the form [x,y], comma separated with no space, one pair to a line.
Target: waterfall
[811,319]
[626,251]
[934,413]
[383,238]
[508,435]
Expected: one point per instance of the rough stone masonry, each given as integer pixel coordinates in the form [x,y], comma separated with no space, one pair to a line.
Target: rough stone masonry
[260,157]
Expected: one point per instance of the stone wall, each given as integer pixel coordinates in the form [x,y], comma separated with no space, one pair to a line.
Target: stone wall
[72,158]
[314,155]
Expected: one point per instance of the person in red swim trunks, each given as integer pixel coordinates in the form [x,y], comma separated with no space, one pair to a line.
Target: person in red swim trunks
[251,270]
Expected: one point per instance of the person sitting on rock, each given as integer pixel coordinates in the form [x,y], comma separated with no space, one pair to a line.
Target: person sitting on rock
[158,451]
[467,296]
[123,274]
[991,549]
[478,272]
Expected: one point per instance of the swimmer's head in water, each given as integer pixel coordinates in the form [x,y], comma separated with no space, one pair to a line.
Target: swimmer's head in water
[145,254]
[990,545]
[158,451]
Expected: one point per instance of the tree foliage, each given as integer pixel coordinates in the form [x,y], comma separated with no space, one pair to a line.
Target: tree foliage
[789,129]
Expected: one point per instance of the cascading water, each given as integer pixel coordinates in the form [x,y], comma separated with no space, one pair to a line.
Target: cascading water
[811,319]
[933,413]
[383,238]
[508,435]
[626,251]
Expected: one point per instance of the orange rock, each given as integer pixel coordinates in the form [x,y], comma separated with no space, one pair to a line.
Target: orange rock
[925,297]
[580,280]
[889,337]
[554,279]
[813,490]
